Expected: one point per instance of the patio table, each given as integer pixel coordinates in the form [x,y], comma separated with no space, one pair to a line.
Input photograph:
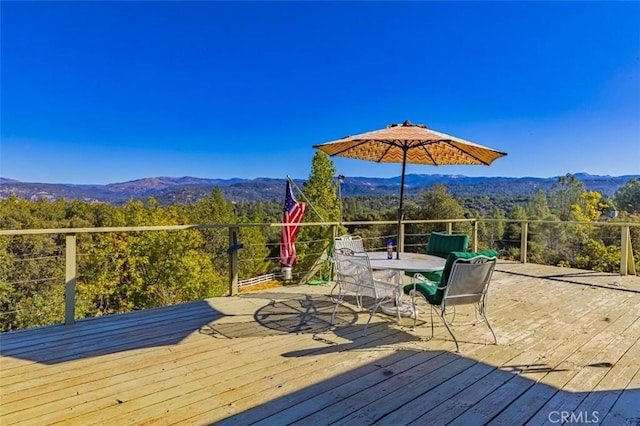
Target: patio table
[408,262]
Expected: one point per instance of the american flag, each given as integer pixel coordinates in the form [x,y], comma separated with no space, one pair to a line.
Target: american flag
[293,213]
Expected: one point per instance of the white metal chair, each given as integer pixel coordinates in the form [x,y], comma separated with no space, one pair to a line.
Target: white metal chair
[354,275]
[467,283]
[355,243]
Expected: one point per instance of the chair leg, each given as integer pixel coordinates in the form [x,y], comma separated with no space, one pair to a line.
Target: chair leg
[454,316]
[432,321]
[331,296]
[483,312]
[373,312]
[359,301]
[413,306]
[339,299]
[444,320]
[397,301]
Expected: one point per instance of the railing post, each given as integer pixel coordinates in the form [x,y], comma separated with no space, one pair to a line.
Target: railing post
[449,227]
[523,242]
[624,252]
[474,224]
[401,238]
[233,260]
[71,277]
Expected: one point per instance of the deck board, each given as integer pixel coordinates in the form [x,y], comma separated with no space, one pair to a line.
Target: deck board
[569,340]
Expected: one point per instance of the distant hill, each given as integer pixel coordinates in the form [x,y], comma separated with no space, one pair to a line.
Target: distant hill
[169,190]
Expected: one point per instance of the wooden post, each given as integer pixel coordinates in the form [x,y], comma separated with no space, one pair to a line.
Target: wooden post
[449,227]
[475,235]
[627,263]
[624,241]
[523,242]
[71,277]
[401,238]
[233,260]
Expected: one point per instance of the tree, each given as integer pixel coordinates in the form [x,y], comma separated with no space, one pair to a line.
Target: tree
[322,192]
[433,205]
[538,207]
[590,208]
[565,193]
[513,232]
[627,198]
[253,256]
[493,232]
[213,209]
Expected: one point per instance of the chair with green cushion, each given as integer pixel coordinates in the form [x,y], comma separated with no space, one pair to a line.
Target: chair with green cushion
[441,244]
[465,280]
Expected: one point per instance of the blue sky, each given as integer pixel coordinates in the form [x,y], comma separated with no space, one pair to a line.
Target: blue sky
[100,92]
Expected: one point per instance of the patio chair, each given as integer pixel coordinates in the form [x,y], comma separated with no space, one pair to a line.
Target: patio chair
[352,242]
[354,275]
[355,243]
[441,244]
[465,281]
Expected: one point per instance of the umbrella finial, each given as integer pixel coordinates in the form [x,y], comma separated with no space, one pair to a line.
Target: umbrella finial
[408,123]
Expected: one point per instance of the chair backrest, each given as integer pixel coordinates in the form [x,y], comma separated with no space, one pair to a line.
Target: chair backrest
[441,244]
[354,269]
[354,272]
[446,272]
[468,280]
[352,242]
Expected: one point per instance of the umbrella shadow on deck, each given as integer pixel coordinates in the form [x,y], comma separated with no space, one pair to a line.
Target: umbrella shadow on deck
[286,313]
[283,313]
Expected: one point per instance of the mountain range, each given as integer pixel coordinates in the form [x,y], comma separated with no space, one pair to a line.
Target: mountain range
[168,190]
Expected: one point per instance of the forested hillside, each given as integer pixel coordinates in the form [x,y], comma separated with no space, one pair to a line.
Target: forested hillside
[123,271]
[184,190]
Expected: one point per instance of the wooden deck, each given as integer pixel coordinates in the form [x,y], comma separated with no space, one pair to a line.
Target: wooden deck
[569,349]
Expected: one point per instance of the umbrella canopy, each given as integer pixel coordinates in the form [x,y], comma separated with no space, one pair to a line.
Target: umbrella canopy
[410,143]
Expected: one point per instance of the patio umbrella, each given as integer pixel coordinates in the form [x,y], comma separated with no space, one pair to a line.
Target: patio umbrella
[410,143]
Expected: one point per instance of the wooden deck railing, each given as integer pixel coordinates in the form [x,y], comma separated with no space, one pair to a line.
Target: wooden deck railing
[71,273]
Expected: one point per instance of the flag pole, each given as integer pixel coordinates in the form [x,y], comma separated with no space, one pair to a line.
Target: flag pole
[340,177]
[305,198]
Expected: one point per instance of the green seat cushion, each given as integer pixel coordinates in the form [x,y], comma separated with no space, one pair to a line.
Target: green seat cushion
[428,291]
[441,244]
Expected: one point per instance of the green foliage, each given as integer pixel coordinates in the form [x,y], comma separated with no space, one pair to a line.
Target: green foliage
[432,205]
[121,271]
[321,192]
[627,198]
[597,256]
[564,194]
[117,271]
[492,232]
[538,208]
[252,257]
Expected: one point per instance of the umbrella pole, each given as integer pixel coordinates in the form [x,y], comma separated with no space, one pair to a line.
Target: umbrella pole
[401,209]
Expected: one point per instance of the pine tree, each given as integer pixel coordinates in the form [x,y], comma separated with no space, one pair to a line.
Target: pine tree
[321,192]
